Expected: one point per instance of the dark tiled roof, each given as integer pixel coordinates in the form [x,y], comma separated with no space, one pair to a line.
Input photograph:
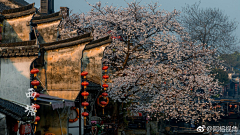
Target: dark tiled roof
[26,48]
[3,7]
[98,42]
[17,12]
[13,109]
[41,18]
[67,42]
[24,43]
[55,102]
[20,2]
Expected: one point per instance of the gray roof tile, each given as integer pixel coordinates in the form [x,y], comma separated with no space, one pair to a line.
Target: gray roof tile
[20,2]
[3,7]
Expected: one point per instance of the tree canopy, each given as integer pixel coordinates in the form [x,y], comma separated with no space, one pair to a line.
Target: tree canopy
[210,26]
[154,63]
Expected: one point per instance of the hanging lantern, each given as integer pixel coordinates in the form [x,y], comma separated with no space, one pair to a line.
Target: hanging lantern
[104,94]
[85,94]
[235,106]
[105,86]
[230,106]
[37,118]
[105,68]
[85,114]
[15,127]
[85,84]
[35,95]
[105,77]
[35,83]
[85,104]
[34,71]
[84,74]
[103,103]
[36,106]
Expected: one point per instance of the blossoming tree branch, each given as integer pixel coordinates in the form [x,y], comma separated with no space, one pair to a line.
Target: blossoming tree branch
[154,64]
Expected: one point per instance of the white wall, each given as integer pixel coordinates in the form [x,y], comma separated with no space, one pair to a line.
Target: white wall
[15,78]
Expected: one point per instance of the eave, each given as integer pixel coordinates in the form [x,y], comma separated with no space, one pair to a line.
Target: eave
[19,12]
[67,42]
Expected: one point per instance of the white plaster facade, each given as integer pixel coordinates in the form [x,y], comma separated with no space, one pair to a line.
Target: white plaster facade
[15,78]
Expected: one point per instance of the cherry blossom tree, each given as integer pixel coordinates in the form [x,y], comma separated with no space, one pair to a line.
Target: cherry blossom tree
[154,64]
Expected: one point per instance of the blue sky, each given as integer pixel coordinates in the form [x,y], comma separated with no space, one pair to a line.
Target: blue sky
[229,7]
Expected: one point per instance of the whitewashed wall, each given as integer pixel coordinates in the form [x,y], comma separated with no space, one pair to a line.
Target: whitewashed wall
[15,78]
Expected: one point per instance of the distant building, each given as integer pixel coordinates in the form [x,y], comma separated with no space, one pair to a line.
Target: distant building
[232,89]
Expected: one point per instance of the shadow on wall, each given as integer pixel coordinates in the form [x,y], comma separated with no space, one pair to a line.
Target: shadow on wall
[54,121]
[15,78]
[48,32]
[9,34]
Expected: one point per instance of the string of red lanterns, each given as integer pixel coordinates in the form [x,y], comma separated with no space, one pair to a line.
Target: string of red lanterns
[105,86]
[35,94]
[85,95]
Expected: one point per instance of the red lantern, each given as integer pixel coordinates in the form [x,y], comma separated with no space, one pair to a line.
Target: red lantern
[103,103]
[140,114]
[34,71]
[105,85]
[84,114]
[35,83]
[235,106]
[85,104]
[85,83]
[85,94]
[230,106]
[35,95]
[105,68]
[15,127]
[84,73]
[105,76]
[37,118]
[104,94]
[36,106]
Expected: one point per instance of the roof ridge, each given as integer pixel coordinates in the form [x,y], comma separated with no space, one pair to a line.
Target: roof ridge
[20,2]
[23,43]
[46,16]
[20,9]
[99,40]
[66,40]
